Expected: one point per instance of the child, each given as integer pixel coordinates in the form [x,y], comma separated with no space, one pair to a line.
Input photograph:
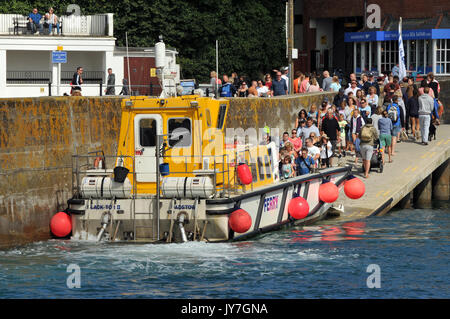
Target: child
[287,169]
[342,124]
[325,151]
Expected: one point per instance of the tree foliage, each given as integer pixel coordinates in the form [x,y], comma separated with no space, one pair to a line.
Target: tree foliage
[251,34]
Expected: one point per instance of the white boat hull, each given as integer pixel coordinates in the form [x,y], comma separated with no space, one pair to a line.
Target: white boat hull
[204,219]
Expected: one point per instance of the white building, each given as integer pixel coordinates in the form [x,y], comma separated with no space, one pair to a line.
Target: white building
[26,68]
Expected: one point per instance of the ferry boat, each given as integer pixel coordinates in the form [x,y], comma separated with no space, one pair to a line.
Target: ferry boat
[174,179]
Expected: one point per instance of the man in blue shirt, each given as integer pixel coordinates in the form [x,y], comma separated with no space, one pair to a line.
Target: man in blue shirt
[304,163]
[34,21]
[279,86]
[227,89]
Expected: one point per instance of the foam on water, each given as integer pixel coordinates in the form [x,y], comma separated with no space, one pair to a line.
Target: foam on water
[410,246]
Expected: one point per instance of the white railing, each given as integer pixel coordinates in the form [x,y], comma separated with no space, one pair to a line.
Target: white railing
[7,23]
[93,25]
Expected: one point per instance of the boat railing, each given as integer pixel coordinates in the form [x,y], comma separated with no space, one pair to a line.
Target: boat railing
[96,163]
[221,168]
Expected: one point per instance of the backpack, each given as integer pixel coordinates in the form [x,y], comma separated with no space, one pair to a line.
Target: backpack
[226,90]
[366,135]
[393,113]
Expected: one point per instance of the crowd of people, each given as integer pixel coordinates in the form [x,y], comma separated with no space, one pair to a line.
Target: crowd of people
[366,117]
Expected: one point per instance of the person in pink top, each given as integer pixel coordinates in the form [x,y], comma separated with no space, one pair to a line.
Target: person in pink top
[423,85]
[305,84]
[296,141]
[314,87]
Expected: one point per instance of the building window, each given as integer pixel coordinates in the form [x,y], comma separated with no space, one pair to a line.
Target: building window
[443,56]
[389,55]
[419,56]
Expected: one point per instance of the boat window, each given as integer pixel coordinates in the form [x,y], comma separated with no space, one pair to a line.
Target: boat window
[260,169]
[208,118]
[267,164]
[147,132]
[221,118]
[178,127]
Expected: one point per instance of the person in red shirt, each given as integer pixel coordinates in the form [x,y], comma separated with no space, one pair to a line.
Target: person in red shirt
[296,141]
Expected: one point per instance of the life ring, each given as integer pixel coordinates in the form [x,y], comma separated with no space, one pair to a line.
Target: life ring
[99,163]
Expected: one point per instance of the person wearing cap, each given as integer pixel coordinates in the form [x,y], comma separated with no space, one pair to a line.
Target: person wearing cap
[371,82]
[353,88]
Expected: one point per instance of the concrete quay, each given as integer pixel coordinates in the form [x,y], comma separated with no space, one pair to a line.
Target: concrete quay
[417,175]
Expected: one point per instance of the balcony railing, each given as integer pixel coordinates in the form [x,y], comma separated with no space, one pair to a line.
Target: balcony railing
[92,25]
[44,77]
[28,77]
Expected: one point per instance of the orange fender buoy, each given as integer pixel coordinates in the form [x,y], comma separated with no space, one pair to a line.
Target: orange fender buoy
[328,192]
[240,221]
[298,208]
[244,173]
[61,224]
[354,188]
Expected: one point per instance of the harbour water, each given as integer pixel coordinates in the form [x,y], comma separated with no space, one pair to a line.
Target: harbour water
[407,250]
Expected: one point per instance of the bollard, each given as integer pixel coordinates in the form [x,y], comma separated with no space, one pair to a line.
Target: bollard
[441,182]
[49,88]
[101,87]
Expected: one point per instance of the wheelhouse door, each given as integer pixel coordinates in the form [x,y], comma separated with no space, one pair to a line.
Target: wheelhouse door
[147,127]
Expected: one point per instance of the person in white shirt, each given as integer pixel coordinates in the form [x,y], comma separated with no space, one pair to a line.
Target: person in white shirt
[325,151]
[353,88]
[313,151]
[51,21]
[263,90]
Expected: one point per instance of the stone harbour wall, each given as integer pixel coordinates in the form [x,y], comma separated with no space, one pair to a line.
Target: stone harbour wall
[37,139]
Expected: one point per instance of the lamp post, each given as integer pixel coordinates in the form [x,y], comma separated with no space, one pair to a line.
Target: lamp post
[291,44]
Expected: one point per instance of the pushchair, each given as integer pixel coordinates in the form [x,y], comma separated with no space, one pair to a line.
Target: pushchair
[376,162]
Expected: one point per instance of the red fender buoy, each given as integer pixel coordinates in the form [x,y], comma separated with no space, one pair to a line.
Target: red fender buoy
[328,192]
[244,174]
[354,188]
[61,224]
[298,208]
[240,221]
